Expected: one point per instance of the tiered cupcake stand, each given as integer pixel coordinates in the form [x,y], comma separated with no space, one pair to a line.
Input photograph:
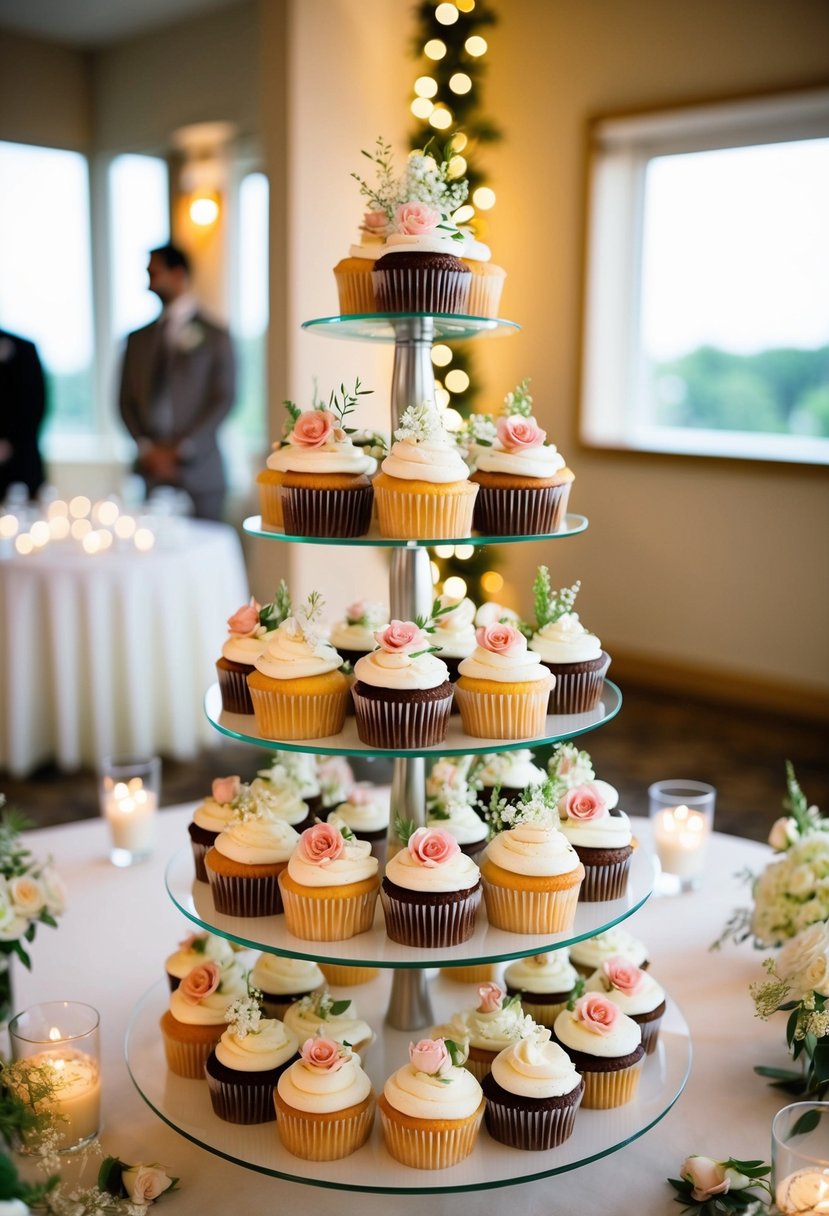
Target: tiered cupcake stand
[415,995]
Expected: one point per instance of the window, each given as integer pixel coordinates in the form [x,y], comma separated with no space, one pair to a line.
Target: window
[139,207]
[706,322]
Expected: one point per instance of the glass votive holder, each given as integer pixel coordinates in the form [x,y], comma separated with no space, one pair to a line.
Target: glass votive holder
[130,791]
[60,1040]
[682,818]
[800,1159]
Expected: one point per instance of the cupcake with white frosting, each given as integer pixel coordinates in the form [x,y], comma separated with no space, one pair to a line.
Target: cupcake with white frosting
[324,1102]
[494,1023]
[330,886]
[249,630]
[602,838]
[402,695]
[636,993]
[589,953]
[606,1047]
[246,1063]
[431,891]
[431,1108]
[353,273]
[454,632]
[297,689]
[282,981]
[544,982]
[197,1017]
[462,821]
[212,816]
[532,1093]
[297,772]
[353,636]
[572,654]
[569,766]
[422,491]
[244,864]
[503,688]
[450,804]
[365,811]
[510,773]
[198,948]
[321,1014]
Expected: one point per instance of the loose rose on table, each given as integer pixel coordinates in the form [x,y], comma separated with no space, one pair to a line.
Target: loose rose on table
[432,846]
[140,1184]
[416,219]
[517,433]
[322,843]
[583,802]
[401,637]
[709,1187]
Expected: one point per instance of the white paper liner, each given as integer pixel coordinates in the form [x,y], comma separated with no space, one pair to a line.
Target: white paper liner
[187,1059]
[427,1148]
[414,516]
[328,920]
[606,1090]
[324,1139]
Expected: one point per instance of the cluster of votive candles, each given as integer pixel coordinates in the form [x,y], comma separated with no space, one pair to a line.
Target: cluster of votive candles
[130,810]
[94,527]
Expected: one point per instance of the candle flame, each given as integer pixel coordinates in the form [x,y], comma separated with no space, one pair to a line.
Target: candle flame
[54,1034]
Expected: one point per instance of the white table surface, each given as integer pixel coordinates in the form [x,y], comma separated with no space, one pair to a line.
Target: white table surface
[112,652]
[120,925]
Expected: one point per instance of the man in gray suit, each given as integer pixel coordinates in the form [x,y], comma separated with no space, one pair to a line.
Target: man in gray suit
[177,385]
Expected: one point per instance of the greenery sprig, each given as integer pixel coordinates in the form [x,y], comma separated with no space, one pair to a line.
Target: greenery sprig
[519,400]
[346,402]
[550,605]
[404,828]
[278,609]
[428,625]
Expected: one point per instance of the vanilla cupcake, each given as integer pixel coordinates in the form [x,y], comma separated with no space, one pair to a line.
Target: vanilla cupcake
[200,948]
[283,981]
[365,811]
[246,1063]
[324,1102]
[353,273]
[503,688]
[454,632]
[531,877]
[491,1026]
[487,279]
[244,864]
[330,887]
[431,891]
[589,953]
[532,1093]
[636,993]
[297,689]
[544,982]
[569,652]
[605,1045]
[602,838]
[402,695]
[320,1014]
[212,816]
[353,636]
[269,482]
[196,1018]
[296,771]
[422,491]
[511,773]
[464,823]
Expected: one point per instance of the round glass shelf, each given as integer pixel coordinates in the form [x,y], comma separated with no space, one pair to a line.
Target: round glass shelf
[391,326]
[573,525]
[375,949]
[185,1106]
[558,726]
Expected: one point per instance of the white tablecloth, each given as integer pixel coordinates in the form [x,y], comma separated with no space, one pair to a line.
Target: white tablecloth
[110,947]
[112,652]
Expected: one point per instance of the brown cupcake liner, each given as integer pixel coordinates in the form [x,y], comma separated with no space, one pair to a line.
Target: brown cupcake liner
[188,1059]
[315,512]
[605,882]
[413,516]
[328,920]
[520,911]
[480,973]
[200,851]
[430,925]
[270,506]
[534,1130]
[233,685]
[234,895]
[504,715]
[249,1102]
[422,290]
[576,692]
[323,1140]
[606,1090]
[521,512]
[307,716]
[355,290]
[650,1034]
[401,724]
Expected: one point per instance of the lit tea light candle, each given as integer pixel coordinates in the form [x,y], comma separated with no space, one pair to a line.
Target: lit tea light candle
[76,1091]
[805,1193]
[130,811]
[681,838]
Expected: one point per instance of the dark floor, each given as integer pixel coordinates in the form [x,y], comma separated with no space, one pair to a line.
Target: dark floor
[656,735]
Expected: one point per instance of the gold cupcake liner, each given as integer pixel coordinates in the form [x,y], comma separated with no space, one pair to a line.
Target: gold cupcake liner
[530,911]
[323,1139]
[412,516]
[504,715]
[188,1059]
[428,1148]
[544,1015]
[605,1090]
[355,290]
[346,977]
[480,973]
[307,716]
[328,920]
[270,506]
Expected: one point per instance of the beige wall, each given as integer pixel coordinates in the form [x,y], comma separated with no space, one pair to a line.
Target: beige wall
[45,93]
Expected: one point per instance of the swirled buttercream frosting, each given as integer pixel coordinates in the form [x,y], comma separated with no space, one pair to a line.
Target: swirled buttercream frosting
[535,849]
[458,873]
[303,1019]
[646,996]
[348,635]
[605,832]
[369,814]
[279,801]
[317,1091]
[213,816]
[535,1067]
[404,672]
[257,841]
[455,630]
[592,951]
[291,654]
[524,668]
[453,1095]
[333,456]
[463,822]
[202,948]
[566,641]
[436,459]
[210,1010]
[260,1050]
[542,973]
[244,648]
[621,1039]
[512,769]
[543,461]
[280,976]
[355,864]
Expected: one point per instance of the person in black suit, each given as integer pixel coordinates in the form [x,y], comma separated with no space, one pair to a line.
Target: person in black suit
[177,385]
[22,410]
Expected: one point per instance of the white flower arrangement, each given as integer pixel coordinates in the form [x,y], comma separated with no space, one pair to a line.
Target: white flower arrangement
[569,767]
[31,892]
[244,1014]
[425,179]
[420,423]
[536,805]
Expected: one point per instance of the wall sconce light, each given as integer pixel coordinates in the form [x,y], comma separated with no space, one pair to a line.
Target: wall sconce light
[204,208]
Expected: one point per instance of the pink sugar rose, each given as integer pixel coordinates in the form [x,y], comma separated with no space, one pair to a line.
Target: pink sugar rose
[202,981]
[517,433]
[501,639]
[225,789]
[401,637]
[312,428]
[321,844]
[416,219]
[597,1013]
[361,794]
[375,221]
[323,1054]
[245,620]
[432,846]
[430,1056]
[583,802]
[623,975]
[491,998]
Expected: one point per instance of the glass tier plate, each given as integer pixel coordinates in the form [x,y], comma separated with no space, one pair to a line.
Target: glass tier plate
[185,1106]
[573,525]
[346,743]
[383,326]
[375,949]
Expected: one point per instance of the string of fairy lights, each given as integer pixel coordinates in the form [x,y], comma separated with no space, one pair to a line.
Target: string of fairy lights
[451,49]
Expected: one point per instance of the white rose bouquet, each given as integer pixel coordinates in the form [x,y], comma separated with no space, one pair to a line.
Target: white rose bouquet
[31,893]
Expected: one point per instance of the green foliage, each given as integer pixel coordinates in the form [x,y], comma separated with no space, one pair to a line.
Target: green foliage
[549,605]
[279,608]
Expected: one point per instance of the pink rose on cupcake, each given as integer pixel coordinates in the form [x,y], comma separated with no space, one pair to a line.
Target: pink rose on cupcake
[202,981]
[416,219]
[401,637]
[430,1056]
[375,221]
[245,620]
[361,794]
[622,975]
[323,1054]
[432,846]
[517,433]
[225,789]
[583,802]
[313,428]
[597,1013]
[492,998]
[321,844]
[501,639]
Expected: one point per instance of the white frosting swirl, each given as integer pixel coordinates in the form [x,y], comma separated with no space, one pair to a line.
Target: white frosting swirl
[647,997]
[277,461]
[245,648]
[484,664]
[620,1040]
[279,801]
[436,460]
[369,252]
[592,951]
[475,251]
[278,976]
[370,816]
[257,841]
[333,456]
[459,873]
[348,636]
[455,630]
[291,655]
[543,461]
[433,242]
[382,669]
[542,973]
[216,950]
[213,816]
[607,791]
[355,864]
[536,849]
[566,641]
[535,1067]
[454,1095]
[345,1027]
[512,769]
[606,832]
[210,1010]
[464,823]
[258,1051]
[319,1092]
[495,1030]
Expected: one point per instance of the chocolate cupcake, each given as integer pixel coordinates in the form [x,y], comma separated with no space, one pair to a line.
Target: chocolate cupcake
[635,992]
[353,636]
[572,654]
[211,817]
[602,839]
[402,696]
[544,982]
[430,282]
[431,891]
[282,981]
[606,1047]
[532,1094]
[245,1065]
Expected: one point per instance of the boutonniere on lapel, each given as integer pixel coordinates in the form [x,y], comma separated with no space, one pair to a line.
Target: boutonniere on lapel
[191,337]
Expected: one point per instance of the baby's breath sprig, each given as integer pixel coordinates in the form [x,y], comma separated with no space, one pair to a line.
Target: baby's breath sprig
[323,1005]
[384,197]
[245,1012]
[419,423]
[519,400]
[551,605]
[347,402]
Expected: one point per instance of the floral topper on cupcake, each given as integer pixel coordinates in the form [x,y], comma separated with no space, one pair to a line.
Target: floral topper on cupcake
[313,428]
[436,1057]
[323,843]
[254,619]
[621,974]
[323,1054]
[568,767]
[225,789]
[596,1013]
[368,613]
[551,605]
[537,804]
[501,638]
[583,803]
[426,182]
[420,423]
[244,1014]
[432,846]
[323,1005]
[201,982]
